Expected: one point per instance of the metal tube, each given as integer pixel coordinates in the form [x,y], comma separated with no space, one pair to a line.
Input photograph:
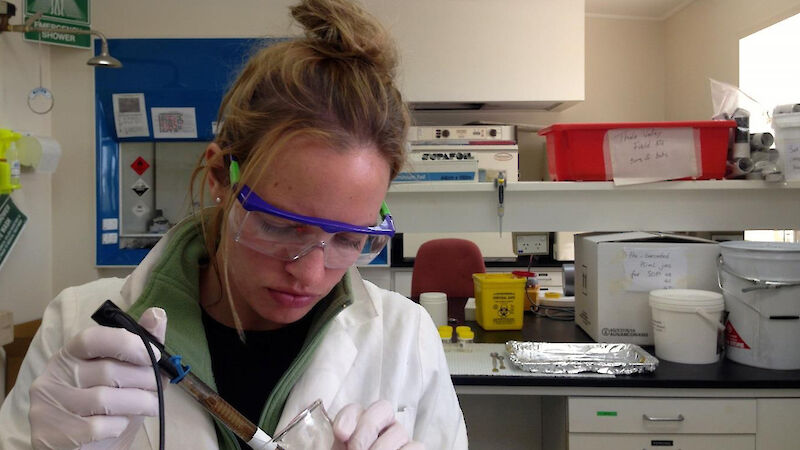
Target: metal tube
[741,135]
[739,167]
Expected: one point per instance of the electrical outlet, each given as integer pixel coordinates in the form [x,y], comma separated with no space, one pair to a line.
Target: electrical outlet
[531,243]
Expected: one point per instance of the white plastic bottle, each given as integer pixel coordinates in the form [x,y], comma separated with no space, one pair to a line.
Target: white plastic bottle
[12,155]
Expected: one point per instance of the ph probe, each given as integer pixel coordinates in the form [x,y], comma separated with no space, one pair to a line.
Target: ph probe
[110,315]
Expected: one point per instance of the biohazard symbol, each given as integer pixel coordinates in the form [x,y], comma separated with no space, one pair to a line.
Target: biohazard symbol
[503,311]
[733,339]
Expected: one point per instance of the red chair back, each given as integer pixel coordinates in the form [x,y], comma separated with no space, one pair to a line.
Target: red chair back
[446,265]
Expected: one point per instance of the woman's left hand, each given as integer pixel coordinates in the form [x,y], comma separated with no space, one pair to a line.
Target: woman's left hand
[374,428]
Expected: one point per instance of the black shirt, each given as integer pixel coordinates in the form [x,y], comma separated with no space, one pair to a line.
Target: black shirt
[246,373]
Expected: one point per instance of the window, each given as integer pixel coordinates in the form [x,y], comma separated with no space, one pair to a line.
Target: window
[768,71]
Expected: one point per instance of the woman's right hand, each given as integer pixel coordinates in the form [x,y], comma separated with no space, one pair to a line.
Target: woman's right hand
[97,389]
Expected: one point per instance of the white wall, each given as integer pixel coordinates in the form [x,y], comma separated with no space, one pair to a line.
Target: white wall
[26,277]
[635,71]
[703,41]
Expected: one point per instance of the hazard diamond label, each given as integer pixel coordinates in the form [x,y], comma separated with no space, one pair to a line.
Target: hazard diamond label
[140,165]
[140,187]
[733,339]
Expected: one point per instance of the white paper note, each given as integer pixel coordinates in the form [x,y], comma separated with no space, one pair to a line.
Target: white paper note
[174,123]
[791,159]
[130,117]
[655,268]
[641,155]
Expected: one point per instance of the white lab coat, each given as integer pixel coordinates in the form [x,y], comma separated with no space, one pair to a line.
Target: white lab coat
[383,346]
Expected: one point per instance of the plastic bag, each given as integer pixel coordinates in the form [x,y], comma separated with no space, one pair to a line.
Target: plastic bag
[727,98]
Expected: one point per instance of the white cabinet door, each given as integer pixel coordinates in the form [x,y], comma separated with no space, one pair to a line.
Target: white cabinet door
[500,51]
[587,441]
[381,276]
[777,423]
[402,281]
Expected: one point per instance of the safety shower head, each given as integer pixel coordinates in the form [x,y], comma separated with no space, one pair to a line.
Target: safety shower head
[8,10]
[104,59]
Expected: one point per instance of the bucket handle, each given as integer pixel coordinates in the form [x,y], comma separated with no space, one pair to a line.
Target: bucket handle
[758,283]
[713,321]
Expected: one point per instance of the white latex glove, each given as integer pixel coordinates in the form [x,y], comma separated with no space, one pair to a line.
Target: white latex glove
[95,392]
[374,428]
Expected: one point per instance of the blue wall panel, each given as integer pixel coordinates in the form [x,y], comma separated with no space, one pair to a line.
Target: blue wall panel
[170,73]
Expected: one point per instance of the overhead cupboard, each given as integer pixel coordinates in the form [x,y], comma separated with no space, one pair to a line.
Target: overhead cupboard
[459,54]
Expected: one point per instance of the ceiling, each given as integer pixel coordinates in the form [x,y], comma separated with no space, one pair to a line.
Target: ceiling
[635,9]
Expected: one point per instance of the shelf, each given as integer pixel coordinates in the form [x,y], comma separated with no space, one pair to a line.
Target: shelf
[708,205]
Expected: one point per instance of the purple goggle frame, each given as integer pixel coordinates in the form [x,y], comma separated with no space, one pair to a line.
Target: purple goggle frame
[250,201]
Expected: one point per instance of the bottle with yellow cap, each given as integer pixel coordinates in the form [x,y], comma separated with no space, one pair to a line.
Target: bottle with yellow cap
[465,337]
[446,334]
[9,163]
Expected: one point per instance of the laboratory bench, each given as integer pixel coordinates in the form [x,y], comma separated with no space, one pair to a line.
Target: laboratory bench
[682,406]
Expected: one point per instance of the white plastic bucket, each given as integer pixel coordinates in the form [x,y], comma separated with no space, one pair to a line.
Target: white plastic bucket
[687,325]
[761,285]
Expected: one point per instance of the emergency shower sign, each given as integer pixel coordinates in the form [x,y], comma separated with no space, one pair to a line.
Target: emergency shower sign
[58,15]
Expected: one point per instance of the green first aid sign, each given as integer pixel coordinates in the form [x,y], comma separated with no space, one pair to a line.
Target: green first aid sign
[59,15]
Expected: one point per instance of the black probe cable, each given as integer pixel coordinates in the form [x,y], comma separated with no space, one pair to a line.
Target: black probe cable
[159,385]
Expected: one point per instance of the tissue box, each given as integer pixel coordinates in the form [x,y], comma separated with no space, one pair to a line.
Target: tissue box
[614,274]
[6,327]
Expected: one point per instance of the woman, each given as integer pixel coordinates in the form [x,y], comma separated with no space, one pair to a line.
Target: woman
[257,293]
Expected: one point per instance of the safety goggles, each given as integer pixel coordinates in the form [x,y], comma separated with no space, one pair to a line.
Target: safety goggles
[287,236]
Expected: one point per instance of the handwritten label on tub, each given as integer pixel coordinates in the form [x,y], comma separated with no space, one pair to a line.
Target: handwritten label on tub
[791,165]
[655,268]
[643,155]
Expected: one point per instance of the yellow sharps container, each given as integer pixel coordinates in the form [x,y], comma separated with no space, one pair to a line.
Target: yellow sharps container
[499,300]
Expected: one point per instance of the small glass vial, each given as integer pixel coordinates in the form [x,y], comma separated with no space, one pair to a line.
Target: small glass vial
[446,334]
[465,338]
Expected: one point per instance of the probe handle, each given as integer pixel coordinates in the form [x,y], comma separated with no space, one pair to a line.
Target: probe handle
[110,315]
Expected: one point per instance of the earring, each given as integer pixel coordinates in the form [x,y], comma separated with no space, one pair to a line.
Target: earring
[218,200]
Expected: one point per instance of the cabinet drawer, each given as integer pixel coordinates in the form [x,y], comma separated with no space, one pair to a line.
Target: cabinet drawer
[596,441]
[661,415]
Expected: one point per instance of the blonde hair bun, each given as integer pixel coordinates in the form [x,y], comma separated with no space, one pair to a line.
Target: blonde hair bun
[342,29]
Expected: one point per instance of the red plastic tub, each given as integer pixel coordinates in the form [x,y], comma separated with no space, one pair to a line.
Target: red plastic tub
[575,150]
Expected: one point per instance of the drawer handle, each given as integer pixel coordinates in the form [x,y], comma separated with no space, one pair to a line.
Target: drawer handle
[663,419]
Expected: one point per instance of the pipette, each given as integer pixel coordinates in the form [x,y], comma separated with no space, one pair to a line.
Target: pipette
[500,182]
[110,315]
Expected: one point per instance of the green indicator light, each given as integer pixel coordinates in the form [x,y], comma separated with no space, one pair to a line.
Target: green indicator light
[607,413]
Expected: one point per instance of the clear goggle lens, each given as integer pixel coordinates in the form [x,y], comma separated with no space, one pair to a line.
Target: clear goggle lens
[289,240]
